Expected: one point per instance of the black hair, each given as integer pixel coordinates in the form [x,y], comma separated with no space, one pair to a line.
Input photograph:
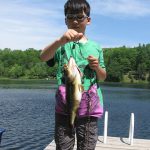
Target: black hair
[76,6]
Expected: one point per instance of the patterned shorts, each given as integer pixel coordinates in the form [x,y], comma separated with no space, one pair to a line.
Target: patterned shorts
[86,130]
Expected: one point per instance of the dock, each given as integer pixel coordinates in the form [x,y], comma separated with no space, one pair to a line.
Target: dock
[114,143]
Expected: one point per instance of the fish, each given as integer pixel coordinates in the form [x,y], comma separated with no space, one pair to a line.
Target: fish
[74,89]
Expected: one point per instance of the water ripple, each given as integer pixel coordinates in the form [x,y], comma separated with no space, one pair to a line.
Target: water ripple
[28,115]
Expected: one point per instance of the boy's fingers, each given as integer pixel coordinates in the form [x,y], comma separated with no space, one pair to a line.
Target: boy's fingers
[72,35]
[80,35]
[77,35]
[93,64]
[91,58]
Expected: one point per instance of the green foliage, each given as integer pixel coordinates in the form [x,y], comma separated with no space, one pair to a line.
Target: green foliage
[131,63]
[15,71]
[2,69]
[23,64]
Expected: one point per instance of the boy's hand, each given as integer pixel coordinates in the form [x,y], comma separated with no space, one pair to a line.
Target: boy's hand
[93,62]
[70,35]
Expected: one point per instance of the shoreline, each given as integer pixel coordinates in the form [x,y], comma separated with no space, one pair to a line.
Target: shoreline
[51,82]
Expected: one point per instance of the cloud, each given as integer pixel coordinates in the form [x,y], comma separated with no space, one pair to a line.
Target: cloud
[36,23]
[121,8]
[27,24]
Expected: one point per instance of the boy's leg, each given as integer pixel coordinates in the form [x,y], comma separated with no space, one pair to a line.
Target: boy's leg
[64,135]
[87,133]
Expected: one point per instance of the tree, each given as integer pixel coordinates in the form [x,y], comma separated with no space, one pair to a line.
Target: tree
[114,72]
[37,71]
[15,71]
[2,69]
[142,71]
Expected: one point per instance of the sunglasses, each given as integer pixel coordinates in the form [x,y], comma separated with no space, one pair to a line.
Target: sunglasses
[79,17]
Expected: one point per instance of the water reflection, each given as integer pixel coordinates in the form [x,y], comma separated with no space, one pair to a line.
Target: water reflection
[28,114]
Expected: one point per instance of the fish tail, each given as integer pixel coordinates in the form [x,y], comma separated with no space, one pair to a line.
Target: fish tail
[73,116]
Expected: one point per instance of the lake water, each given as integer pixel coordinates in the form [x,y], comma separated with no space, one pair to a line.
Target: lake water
[28,115]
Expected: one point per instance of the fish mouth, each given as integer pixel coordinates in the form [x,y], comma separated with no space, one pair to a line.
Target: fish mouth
[74,67]
[65,66]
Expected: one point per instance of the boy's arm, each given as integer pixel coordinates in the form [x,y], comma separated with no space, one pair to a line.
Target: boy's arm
[94,64]
[49,51]
[100,73]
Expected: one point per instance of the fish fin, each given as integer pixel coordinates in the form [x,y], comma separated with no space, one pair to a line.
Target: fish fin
[81,88]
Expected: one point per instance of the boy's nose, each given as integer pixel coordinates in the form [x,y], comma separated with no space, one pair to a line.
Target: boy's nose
[75,20]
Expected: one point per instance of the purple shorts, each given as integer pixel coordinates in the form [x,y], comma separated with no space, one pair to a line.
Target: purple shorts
[89,105]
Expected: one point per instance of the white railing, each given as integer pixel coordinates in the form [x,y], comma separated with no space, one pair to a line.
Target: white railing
[105,127]
[131,129]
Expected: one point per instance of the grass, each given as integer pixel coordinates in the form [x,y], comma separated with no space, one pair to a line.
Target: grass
[27,83]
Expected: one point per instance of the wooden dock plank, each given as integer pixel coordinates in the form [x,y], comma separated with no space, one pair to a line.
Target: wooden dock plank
[114,143]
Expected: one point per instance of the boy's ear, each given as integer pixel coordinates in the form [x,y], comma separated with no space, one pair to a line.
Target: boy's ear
[88,20]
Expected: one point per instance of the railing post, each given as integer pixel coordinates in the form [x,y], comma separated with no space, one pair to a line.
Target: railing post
[131,129]
[105,127]
[1,132]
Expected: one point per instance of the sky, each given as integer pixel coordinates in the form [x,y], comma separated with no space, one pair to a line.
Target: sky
[36,23]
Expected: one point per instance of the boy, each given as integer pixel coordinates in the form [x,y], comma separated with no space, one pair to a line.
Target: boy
[89,58]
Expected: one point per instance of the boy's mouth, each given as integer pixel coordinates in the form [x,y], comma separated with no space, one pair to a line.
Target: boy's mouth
[75,27]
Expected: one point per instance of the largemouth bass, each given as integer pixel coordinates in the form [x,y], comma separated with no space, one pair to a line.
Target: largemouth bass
[73,89]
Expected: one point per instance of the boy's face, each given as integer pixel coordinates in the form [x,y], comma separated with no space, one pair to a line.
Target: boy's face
[77,21]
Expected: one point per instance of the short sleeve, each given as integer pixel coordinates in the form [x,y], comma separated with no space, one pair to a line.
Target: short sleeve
[50,62]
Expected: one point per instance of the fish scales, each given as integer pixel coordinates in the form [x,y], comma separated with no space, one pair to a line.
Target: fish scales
[73,89]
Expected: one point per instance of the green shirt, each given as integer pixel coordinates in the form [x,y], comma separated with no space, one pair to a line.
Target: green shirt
[80,52]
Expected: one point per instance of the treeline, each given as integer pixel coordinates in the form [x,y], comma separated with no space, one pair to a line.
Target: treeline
[122,64]
[24,64]
[128,64]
